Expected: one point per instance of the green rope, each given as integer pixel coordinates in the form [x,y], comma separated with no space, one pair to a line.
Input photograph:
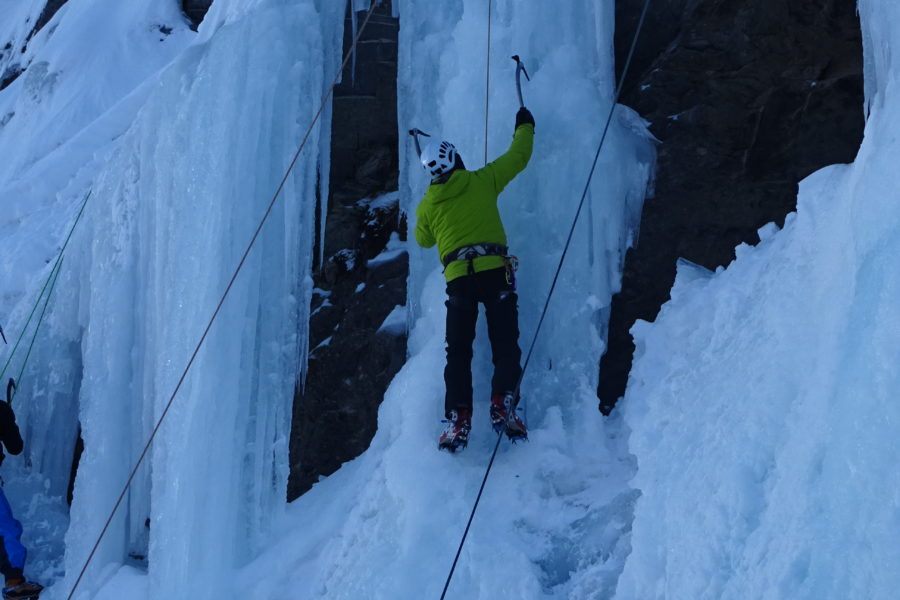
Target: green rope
[24,329]
[51,281]
[55,275]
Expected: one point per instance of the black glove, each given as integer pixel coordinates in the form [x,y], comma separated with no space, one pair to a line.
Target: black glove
[9,431]
[523,117]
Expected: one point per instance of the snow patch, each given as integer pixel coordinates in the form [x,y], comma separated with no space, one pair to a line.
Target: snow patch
[395,322]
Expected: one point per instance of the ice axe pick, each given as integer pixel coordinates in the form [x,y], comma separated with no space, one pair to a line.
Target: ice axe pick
[520,68]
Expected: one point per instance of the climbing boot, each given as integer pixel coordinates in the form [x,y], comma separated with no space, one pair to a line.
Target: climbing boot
[505,419]
[456,435]
[26,589]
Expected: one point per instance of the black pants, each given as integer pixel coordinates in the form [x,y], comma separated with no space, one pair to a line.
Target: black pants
[500,301]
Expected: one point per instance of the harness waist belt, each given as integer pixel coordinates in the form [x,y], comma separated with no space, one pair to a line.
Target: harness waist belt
[475,251]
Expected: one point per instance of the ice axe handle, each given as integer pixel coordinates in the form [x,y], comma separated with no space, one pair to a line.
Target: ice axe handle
[520,68]
[416,133]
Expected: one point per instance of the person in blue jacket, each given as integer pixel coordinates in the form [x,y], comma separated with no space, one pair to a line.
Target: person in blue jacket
[12,552]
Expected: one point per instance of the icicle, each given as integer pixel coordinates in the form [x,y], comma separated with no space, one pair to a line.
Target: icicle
[356,7]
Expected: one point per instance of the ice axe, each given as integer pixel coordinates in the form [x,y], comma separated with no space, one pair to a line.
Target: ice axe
[520,68]
[416,133]
[3,335]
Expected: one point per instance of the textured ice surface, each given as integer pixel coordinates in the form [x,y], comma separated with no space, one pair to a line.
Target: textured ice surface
[59,121]
[183,138]
[763,401]
[182,196]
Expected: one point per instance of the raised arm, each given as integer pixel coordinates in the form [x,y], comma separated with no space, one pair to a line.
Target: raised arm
[505,168]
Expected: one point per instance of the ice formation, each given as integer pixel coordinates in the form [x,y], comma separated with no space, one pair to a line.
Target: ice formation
[762,401]
[182,139]
[758,422]
[181,154]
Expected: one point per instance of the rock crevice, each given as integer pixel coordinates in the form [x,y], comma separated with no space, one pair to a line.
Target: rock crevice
[747,98]
[362,279]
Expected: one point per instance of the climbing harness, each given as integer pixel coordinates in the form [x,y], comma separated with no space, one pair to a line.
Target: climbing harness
[474,251]
[562,259]
[470,253]
[215,313]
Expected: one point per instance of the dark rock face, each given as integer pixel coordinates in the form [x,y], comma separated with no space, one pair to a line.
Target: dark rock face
[748,97]
[364,132]
[352,362]
[195,10]
[11,67]
[9,75]
[49,10]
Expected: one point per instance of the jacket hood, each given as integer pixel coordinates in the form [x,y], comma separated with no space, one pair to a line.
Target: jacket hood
[452,188]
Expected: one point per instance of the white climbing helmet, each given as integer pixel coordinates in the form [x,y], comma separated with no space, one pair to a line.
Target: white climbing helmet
[438,158]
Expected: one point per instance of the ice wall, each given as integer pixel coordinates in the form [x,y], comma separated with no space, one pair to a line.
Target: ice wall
[181,164]
[554,520]
[58,122]
[763,399]
[57,119]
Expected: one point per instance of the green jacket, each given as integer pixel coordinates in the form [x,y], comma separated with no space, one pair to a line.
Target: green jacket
[463,210]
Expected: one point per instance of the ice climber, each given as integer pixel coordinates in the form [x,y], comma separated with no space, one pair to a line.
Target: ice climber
[12,552]
[459,213]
